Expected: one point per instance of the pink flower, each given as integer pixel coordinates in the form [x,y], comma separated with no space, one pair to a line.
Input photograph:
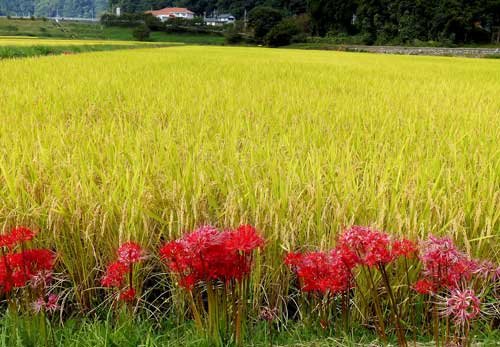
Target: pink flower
[38,305]
[41,278]
[130,253]
[463,306]
[443,264]
[52,303]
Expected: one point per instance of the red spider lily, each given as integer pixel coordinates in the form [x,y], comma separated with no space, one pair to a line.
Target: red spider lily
[122,269]
[130,253]
[128,295]
[22,234]
[349,257]
[16,236]
[321,272]
[404,248]
[115,274]
[463,306]
[444,265]
[424,286]
[206,255]
[373,247]
[244,239]
[16,269]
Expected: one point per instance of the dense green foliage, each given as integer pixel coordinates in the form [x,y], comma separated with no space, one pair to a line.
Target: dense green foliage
[374,21]
[51,8]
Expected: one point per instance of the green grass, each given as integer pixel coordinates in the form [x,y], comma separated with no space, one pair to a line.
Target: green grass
[124,332]
[93,31]
[41,50]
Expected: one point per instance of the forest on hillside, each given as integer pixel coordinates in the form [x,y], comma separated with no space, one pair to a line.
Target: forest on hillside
[52,8]
[370,21]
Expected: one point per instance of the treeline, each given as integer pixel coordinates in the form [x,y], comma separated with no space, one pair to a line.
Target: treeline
[52,8]
[368,21]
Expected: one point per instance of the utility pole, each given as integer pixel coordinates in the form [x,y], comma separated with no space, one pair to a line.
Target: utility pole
[245,21]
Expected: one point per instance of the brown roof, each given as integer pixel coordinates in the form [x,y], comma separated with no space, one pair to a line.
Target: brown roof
[170,10]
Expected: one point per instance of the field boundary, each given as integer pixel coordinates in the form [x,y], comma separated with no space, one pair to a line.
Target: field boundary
[16,51]
[402,50]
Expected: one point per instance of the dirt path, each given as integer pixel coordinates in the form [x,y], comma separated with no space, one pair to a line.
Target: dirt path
[438,51]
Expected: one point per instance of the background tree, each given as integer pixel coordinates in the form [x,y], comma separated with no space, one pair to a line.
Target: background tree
[262,19]
[331,15]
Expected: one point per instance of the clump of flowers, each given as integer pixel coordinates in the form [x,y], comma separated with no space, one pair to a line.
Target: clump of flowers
[374,249]
[444,266]
[219,263]
[119,274]
[462,307]
[30,269]
[49,304]
[446,270]
[324,275]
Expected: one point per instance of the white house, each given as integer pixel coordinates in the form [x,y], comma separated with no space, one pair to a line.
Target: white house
[172,12]
[218,20]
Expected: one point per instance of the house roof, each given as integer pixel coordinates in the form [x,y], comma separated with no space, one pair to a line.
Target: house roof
[170,10]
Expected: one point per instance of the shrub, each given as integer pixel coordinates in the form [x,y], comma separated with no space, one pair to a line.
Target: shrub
[141,33]
[282,33]
[125,20]
[262,19]
[153,23]
[233,36]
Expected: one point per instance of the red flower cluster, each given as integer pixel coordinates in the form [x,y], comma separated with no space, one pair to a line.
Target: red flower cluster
[209,255]
[116,273]
[128,295]
[322,272]
[15,237]
[31,265]
[443,266]
[374,247]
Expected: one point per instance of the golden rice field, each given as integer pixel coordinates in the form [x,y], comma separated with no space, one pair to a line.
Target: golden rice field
[29,41]
[99,148]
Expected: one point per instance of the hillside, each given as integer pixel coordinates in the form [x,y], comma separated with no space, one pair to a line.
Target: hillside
[95,31]
[52,8]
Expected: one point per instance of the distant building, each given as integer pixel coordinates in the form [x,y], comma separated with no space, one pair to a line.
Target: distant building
[172,12]
[219,20]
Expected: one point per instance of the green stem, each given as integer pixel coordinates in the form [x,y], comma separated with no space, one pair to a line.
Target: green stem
[378,309]
[399,330]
